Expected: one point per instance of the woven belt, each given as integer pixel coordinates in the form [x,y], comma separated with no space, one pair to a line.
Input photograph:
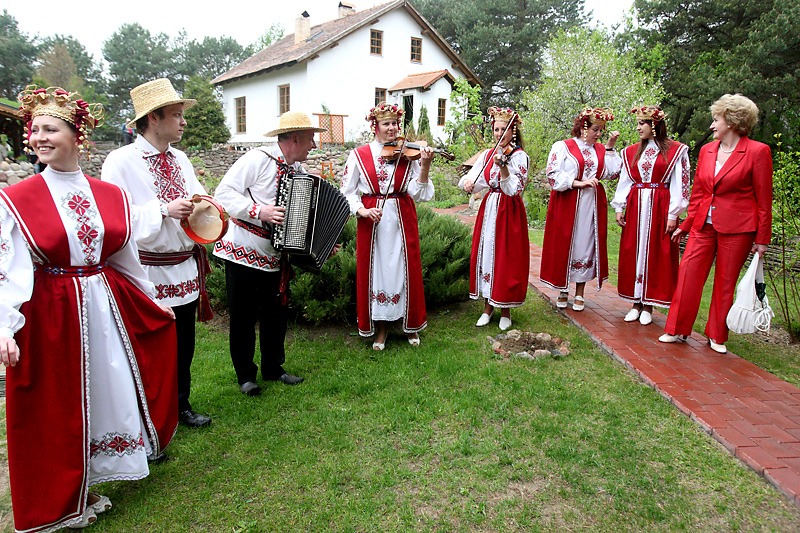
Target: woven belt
[658,185]
[393,195]
[204,312]
[70,271]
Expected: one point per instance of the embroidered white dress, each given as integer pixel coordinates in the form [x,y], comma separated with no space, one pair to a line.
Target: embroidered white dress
[153,180]
[487,253]
[562,170]
[388,298]
[119,443]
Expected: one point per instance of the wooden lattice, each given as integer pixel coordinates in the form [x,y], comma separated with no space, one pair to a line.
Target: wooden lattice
[334,124]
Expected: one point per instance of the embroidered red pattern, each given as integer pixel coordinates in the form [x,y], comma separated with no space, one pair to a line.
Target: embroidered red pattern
[582,264]
[486,278]
[116,444]
[240,254]
[384,298]
[588,161]
[381,171]
[169,180]
[80,209]
[253,211]
[178,290]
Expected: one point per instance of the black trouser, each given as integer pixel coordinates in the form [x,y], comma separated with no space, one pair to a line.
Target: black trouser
[253,295]
[184,329]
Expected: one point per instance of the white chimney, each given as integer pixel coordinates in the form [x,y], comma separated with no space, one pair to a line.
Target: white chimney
[302,27]
[346,8]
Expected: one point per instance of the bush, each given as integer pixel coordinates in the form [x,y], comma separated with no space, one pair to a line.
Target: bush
[330,296]
[536,200]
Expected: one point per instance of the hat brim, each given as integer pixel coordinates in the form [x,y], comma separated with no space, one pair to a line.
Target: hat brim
[275,133]
[187,104]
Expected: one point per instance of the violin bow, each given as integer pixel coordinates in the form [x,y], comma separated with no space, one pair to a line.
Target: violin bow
[510,123]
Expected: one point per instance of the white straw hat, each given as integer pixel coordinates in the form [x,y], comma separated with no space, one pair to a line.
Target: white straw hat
[153,95]
[294,121]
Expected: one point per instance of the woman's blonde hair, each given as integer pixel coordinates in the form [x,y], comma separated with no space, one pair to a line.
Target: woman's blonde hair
[739,112]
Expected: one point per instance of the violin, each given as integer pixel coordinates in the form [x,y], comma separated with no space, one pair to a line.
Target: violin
[410,150]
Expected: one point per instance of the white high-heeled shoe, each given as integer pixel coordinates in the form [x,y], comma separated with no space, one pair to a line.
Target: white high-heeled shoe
[666,337]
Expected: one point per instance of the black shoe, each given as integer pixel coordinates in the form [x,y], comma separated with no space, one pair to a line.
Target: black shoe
[160,458]
[288,379]
[193,420]
[250,388]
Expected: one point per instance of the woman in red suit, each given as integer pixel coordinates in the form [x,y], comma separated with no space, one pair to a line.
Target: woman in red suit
[729,216]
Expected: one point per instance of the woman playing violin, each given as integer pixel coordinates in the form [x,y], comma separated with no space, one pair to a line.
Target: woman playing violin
[381,193]
[500,253]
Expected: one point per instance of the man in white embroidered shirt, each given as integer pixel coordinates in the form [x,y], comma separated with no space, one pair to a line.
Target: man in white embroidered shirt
[256,276]
[160,180]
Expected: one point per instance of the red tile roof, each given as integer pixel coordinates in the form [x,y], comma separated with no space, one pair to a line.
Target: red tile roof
[423,80]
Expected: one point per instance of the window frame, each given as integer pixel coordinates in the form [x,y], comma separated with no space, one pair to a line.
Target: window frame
[288,98]
[419,49]
[441,112]
[240,104]
[375,42]
[380,95]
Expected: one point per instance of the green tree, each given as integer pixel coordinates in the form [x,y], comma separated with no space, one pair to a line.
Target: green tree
[134,56]
[270,36]
[17,56]
[502,40]
[57,68]
[85,67]
[424,125]
[713,47]
[584,69]
[206,119]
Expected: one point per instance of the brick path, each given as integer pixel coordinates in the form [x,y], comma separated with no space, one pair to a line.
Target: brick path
[754,414]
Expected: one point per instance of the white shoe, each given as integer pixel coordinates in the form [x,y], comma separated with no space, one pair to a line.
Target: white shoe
[562,301]
[378,346]
[413,341]
[89,517]
[719,348]
[645,318]
[505,323]
[484,319]
[102,505]
[666,337]
[578,304]
[632,315]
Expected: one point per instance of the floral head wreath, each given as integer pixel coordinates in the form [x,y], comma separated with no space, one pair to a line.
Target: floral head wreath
[382,111]
[595,115]
[649,112]
[56,102]
[505,115]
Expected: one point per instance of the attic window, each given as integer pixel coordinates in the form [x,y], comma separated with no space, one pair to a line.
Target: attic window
[376,42]
[380,95]
[416,49]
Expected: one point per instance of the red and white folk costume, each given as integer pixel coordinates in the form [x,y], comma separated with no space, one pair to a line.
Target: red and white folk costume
[154,179]
[94,380]
[389,280]
[654,189]
[574,248]
[499,262]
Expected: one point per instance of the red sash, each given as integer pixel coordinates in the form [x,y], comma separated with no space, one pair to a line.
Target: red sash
[415,317]
[48,390]
[559,226]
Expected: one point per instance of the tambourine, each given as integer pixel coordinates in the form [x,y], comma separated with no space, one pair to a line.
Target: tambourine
[208,221]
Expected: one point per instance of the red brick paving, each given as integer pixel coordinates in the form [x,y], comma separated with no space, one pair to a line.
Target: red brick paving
[752,413]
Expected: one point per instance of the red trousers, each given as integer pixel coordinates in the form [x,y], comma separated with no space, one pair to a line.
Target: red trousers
[731,251]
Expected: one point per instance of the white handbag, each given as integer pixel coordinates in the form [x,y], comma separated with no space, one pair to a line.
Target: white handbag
[751,310]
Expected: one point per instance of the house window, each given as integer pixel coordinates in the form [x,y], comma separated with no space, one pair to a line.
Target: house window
[440,113]
[416,49]
[283,101]
[380,95]
[376,42]
[241,114]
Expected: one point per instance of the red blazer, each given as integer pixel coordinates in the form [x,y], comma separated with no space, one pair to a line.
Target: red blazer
[740,196]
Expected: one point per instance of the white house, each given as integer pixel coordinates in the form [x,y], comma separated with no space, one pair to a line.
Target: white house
[345,66]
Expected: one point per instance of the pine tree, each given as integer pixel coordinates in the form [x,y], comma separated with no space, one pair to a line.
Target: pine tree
[206,120]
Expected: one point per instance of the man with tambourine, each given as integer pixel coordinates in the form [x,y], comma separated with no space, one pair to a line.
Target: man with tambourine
[161,181]
[257,275]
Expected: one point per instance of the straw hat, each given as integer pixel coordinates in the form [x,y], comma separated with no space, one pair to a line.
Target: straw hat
[153,95]
[293,121]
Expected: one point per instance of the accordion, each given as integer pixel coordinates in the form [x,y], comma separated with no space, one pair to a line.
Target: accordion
[316,213]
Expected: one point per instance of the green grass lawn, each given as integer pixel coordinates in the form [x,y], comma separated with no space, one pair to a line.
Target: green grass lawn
[444,437]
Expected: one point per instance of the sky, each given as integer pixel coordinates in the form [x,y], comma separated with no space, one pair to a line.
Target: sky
[94,22]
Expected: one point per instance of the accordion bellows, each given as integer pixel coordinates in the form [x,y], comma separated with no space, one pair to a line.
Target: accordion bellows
[316,213]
